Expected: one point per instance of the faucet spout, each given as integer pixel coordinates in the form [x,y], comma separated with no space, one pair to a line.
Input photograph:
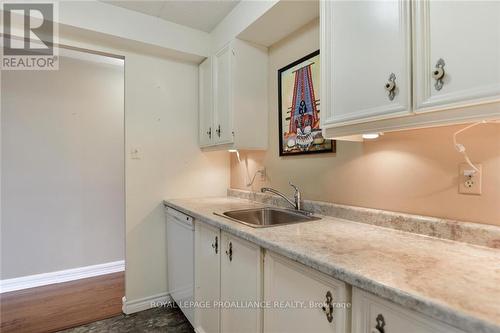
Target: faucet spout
[296,203]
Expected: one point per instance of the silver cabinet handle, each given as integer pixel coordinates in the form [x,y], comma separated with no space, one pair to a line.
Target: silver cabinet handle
[328,307]
[218,131]
[390,86]
[209,132]
[215,245]
[438,74]
[229,252]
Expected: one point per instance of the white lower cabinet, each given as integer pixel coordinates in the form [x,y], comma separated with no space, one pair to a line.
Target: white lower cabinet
[228,279]
[233,279]
[291,287]
[241,285]
[371,314]
[206,277]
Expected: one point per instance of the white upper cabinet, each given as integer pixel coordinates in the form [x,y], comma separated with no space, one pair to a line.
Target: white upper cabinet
[365,60]
[206,132]
[223,95]
[233,98]
[459,41]
[386,64]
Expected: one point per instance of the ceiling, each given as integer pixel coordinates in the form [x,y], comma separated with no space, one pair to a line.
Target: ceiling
[265,31]
[199,14]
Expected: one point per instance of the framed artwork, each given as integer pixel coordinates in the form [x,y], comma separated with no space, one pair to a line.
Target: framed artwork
[299,109]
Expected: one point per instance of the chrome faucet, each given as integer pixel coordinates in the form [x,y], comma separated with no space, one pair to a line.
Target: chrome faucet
[296,203]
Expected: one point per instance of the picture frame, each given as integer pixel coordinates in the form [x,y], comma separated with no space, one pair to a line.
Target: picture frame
[299,109]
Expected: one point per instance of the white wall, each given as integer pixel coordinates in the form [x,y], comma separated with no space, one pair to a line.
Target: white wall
[161,118]
[62,167]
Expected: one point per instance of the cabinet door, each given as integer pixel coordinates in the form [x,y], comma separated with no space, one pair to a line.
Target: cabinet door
[207,277]
[241,281]
[299,294]
[223,112]
[364,46]
[462,37]
[370,311]
[206,131]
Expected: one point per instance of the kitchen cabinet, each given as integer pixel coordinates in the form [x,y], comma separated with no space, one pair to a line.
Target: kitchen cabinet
[385,65]
[241,282]
[207,277]
[461,41]
[371,314]
[367,45]
[227,270]
[287,281]
[233,98]
[223,122]
[205,102]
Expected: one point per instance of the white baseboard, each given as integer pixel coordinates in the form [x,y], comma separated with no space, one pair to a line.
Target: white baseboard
[145,303]
[37,280]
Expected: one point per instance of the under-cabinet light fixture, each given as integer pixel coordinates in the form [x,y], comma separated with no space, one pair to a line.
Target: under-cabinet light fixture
[370,136]
[237,153]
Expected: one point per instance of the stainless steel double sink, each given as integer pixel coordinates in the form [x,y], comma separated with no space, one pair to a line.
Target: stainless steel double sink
[267,216]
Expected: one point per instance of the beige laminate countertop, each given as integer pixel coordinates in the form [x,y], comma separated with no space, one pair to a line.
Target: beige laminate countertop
[453,282]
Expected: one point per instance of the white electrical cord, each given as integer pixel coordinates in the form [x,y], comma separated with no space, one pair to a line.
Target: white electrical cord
[238,155]
[247,177]
[262,173]
[461,148]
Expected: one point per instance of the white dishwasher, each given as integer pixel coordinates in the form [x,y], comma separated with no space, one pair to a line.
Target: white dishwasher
[180,260]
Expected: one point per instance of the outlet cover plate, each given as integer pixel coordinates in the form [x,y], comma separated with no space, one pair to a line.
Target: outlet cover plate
[469,185]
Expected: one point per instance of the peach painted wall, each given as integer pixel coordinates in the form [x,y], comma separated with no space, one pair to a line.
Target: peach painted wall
[410,171]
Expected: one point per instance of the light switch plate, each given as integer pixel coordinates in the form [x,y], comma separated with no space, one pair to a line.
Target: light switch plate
[469,183]
[136,153]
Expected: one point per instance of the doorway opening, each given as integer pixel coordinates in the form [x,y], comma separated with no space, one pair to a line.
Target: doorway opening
[62,193]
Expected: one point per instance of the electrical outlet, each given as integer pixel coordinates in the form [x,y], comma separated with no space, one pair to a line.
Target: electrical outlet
[469,182]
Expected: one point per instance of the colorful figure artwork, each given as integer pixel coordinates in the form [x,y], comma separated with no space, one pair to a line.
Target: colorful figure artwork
[299,108]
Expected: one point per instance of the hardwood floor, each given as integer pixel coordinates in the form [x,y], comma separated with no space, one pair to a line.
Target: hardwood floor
[61,306]
[164,319]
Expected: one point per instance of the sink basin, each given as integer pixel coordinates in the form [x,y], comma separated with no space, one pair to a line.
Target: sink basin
[267,217]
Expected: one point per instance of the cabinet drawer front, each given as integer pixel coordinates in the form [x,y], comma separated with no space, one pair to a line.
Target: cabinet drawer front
[371,314]
[357,65]
[290,288]
[466,36]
